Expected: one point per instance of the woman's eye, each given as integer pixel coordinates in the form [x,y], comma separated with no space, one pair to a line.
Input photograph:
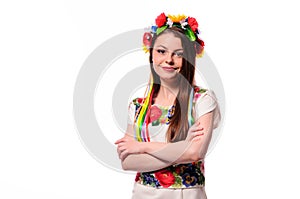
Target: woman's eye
[161,51]
[179,54]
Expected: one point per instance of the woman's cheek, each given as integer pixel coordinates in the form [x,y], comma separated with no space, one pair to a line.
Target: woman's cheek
[156,61]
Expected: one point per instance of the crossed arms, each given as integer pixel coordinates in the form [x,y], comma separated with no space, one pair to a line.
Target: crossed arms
[149,156]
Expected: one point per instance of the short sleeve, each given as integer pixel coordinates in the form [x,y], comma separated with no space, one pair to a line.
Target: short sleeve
[205,103]
[131,113]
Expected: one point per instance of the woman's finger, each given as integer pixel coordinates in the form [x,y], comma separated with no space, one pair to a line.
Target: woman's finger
[198,128]
[197,135]
[119,141]
[124,139]
[123,155]
[119,153]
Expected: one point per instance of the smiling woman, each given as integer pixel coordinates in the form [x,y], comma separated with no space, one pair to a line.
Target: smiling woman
[170,128]
[167,54]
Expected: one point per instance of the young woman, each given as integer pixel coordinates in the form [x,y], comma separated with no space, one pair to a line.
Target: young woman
[170,128]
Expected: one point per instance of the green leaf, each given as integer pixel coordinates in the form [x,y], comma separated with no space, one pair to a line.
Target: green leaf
[202,90]
[190,34]
[178,25]
[159,30]
[201,179]
[178,182]
[155,123]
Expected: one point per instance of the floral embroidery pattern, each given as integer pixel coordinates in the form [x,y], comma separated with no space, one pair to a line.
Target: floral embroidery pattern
[162,114]
[176,176]
[137,102]
[197,93]
[155,113]
[158,114]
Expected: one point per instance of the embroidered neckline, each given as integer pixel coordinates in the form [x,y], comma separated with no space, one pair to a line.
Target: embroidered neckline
[163,114]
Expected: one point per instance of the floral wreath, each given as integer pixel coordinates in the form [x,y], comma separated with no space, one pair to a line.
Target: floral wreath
[188,24]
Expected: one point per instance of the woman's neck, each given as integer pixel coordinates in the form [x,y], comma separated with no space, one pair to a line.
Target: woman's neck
[167,93]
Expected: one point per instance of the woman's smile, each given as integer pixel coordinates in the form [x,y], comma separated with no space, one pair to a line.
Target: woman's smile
[169,68]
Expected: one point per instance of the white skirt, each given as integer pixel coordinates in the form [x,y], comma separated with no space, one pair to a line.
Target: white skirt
[147,192]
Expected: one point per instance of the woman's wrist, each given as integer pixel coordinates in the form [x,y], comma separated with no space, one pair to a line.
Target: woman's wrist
[142,147]
[151,147]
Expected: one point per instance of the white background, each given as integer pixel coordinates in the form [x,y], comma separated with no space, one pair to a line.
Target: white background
[43,44]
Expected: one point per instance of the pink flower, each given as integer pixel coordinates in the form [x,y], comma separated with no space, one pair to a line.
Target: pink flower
[147,39]
[197,95]
[155,113]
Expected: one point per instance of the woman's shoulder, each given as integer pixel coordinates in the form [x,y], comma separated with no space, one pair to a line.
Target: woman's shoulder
[201,92]
[205,100]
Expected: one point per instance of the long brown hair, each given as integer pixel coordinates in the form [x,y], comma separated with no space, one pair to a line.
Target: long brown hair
[178,126]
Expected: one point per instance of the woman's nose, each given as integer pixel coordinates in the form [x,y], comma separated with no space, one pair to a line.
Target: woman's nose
[169,59]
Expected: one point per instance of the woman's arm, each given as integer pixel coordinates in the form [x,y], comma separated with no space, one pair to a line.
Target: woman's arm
[189,150]
[143,163]
[135,160]
[192,149]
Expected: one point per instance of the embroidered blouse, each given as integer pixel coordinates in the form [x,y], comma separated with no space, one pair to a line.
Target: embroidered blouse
[179,175]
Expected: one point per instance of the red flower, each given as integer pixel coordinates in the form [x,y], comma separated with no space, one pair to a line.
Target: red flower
[199,46]
[201,42]
[137,177]
[155,113]
[161,20]
[202,168]
[165,178]
[139,100]
[193,23]
[178,170]
[147,38]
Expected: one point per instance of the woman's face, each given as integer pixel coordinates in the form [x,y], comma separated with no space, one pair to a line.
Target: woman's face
[167,56]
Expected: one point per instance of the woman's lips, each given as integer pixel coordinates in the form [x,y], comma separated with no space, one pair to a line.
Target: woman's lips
[169,68]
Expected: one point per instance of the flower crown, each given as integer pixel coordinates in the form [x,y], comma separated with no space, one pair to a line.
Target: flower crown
[188,24]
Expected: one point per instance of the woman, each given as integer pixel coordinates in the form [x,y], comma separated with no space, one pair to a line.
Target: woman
[169,130]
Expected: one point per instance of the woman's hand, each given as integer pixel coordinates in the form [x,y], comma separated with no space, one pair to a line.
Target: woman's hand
[195,132]
[128,145]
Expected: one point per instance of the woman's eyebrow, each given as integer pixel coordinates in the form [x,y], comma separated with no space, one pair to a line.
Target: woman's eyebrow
[180,49]
[162,46]
[168,49]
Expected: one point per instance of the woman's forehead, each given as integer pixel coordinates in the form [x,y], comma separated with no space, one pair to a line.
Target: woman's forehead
[169,41]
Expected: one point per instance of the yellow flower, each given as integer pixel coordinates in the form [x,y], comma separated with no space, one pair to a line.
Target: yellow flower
[145,48]
[177,18]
